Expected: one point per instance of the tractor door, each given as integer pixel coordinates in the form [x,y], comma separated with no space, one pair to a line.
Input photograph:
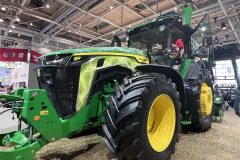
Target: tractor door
[200,57]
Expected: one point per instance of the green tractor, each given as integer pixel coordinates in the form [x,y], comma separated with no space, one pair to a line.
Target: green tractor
[140,105]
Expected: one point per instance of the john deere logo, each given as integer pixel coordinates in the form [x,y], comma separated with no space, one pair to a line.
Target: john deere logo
[77,58]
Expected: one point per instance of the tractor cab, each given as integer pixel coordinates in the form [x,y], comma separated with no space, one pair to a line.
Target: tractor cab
[168,42]
[157,38]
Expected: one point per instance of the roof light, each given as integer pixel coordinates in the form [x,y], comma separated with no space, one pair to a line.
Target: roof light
[3,8]
[162,28]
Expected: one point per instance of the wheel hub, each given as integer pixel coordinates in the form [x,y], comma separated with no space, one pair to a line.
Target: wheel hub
[161,123]
[206,100]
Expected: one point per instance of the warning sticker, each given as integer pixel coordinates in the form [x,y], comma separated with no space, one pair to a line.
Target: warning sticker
[43,113]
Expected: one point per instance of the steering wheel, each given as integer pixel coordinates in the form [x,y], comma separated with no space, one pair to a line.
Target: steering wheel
[116,41]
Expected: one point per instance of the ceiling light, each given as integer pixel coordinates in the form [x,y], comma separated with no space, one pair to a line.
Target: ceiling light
[19,35]
[203,28]
[10,31]
[47,6]
[47,41]
[180,20]
[13,26]
[1,20]
[31,24]
[130,26]
[111,7]
[175,8]
[3,8]
[221,44]
[80,25]
[17,19]
[223,26]
[69,31]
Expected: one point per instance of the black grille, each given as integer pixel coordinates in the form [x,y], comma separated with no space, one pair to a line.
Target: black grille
[61,84]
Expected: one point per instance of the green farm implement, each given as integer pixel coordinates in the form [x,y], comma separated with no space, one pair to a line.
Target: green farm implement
[139,104]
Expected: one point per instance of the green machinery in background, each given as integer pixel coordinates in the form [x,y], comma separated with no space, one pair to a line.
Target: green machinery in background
[140,105]
[218,107]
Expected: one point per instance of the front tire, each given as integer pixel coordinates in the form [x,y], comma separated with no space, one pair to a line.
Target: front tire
[143,118]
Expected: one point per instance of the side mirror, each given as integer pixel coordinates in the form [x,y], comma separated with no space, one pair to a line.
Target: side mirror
[116,42]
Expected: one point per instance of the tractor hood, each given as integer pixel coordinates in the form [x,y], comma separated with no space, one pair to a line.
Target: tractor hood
[96,50]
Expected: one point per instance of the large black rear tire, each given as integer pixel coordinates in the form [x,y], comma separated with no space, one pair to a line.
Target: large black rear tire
[127,116]
[201,123]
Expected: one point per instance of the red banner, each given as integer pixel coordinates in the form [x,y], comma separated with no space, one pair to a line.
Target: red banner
[34,57]
[13,55]
[18,55]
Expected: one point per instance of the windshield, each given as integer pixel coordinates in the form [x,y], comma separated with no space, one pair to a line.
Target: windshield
[199,37]
[151,39]
[166,42]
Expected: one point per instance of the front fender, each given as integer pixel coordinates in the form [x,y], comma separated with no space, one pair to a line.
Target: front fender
[169,73]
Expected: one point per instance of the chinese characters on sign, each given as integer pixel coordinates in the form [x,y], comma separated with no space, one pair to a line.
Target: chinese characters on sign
[18,55]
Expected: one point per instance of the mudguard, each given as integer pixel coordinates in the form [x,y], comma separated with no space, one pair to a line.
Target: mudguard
[169,72]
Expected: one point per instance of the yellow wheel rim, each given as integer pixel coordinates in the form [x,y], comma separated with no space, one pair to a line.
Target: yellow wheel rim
[161,123]
[206,100]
